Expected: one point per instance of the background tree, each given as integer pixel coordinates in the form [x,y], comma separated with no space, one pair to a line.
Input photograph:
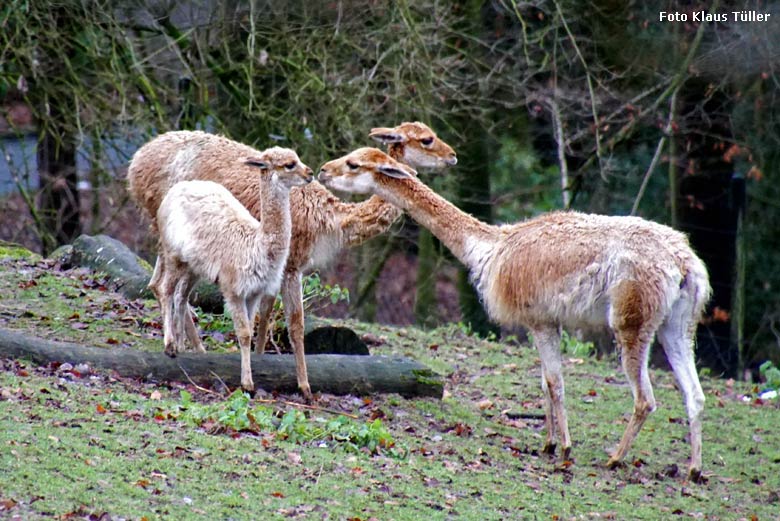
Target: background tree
[613,112]
[73,64]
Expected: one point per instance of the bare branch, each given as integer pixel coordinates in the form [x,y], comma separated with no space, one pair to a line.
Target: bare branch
[558,130]
[658,149]
[596,124]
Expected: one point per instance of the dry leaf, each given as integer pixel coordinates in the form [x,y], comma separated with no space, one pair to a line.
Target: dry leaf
[294,458]
[484,404]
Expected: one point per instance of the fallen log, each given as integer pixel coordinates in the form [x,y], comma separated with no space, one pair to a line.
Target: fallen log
[334,374]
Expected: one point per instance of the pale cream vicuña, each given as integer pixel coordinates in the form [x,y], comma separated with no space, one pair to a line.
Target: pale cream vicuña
[205,232]
[321,223]
[571,270]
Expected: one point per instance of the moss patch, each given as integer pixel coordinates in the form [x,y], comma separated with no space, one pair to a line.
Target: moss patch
[14,251]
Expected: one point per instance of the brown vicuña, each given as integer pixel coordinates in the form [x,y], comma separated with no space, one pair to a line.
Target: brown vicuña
[566,270]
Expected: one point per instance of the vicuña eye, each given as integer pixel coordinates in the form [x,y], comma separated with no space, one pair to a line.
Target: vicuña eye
[351,165]
[289,166]
[427,141]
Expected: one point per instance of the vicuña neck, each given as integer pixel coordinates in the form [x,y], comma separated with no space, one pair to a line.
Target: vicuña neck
[275,221]
[459,231]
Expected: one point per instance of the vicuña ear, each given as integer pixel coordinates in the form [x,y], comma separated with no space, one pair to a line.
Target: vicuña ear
[386,135]
[398,173]
[258,162]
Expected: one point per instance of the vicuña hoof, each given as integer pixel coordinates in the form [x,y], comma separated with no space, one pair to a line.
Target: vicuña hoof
[695,476]
[566,454]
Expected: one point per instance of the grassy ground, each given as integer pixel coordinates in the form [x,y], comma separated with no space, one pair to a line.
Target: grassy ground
[79,444]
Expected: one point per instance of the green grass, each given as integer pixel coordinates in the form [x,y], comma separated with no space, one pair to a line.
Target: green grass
[79,306]
[88,444]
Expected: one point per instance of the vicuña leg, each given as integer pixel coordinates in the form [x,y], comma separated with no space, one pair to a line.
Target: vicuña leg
[676,335]
[185,313]
[264,311]
[634,348]
[548,343]
[243,328]
[157,274]
[293,310]
[166,297]
[179,315]
[252,302]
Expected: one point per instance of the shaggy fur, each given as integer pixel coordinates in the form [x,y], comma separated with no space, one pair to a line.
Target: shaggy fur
[321,224]
[206,232]
[566,270]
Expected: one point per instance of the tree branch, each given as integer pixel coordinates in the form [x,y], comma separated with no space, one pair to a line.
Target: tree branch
[657,156]
[591,92]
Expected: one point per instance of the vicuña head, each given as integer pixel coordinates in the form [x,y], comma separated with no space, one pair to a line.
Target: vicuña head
[361,171]
[415,144]
[284,164]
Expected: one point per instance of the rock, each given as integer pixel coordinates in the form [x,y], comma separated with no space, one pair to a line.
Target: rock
[123,267]
[63,256]
[321,338]
[128,273]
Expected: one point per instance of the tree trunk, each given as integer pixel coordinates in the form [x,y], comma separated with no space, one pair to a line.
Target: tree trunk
[738,201]
[334,374]
[371,258]
[58,205]
[474,198]
[473,192]
[425,297]
[706,211]
[59,201]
